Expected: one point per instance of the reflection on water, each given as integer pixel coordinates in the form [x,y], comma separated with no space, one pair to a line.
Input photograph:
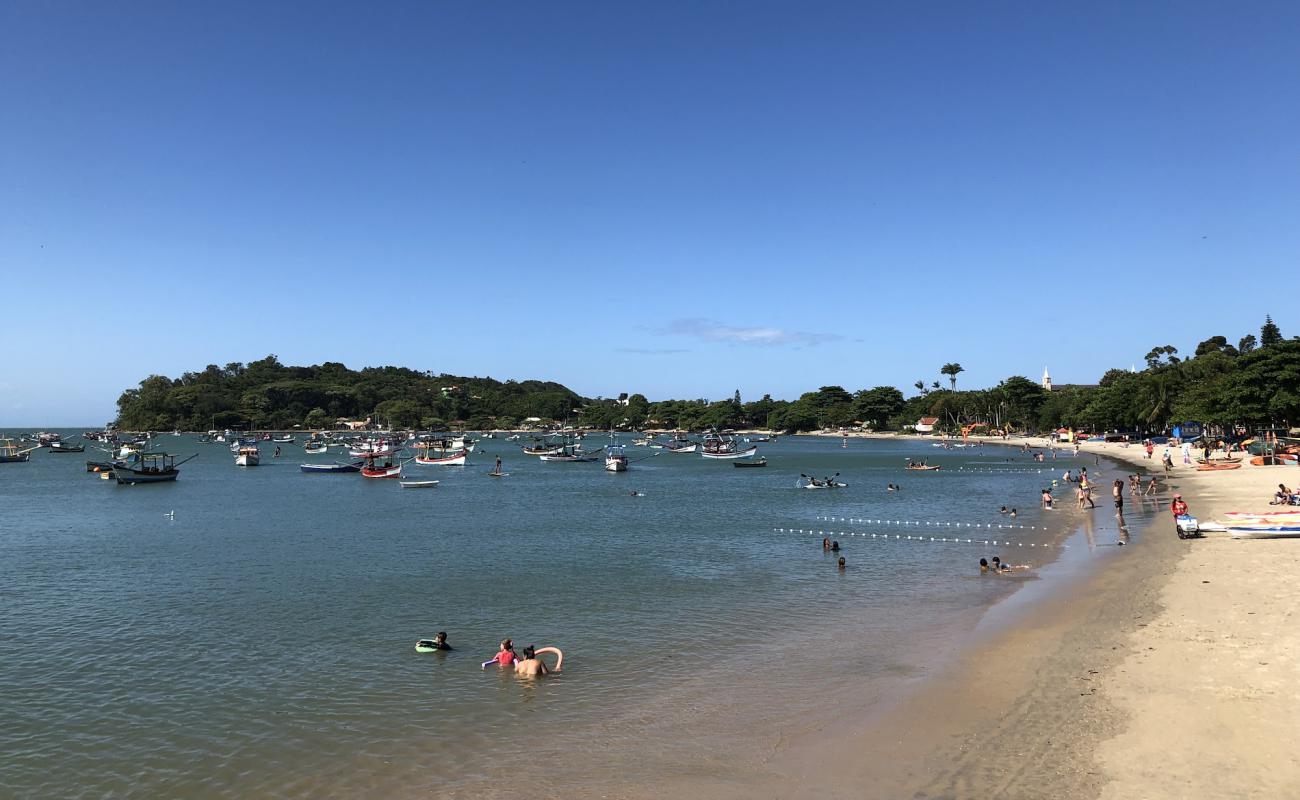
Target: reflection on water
[261,641]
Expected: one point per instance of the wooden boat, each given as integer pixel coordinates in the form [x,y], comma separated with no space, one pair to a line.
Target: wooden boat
[286,439]
[758,462]
[1216,467]
[732,453]
[923,467]
[455,459]
[103,466]
[10,454]
[541,448]
[248,456]
[571,453]
[314,448]
[1274,460]
[418,484]
[64,447]
[681,445]
[615,459]
[329,468]
[388,469]
[149,468]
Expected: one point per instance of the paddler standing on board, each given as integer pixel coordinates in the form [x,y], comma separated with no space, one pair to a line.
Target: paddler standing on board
[497,469]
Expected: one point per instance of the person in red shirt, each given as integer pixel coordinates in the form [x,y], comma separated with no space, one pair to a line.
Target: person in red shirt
[1178,507]
[505,657]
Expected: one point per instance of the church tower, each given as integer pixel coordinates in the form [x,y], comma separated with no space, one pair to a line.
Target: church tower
[1047,380]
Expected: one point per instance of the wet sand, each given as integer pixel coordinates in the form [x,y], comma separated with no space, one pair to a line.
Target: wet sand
[1168,673]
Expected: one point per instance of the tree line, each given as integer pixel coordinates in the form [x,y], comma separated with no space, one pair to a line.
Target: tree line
[1255,382]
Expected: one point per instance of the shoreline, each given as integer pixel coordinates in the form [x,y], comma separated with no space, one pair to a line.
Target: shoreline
[1078,698]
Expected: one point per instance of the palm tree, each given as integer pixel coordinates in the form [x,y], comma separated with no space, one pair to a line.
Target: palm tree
[951,371]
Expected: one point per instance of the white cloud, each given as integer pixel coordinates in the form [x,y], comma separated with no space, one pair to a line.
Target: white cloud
[709,330]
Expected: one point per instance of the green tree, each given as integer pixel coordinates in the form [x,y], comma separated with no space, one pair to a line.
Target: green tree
[951,370]
[1248,343]
[1269,334]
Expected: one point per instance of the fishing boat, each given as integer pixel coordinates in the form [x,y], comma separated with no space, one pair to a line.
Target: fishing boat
[540,447]
[922,467]
[716,446]
[571,453]
[418,484]
[312,469]
[149,468]
[758,462]
[64,447]
[10,454]
[315,448]
[103,466]
[388,469]
[615,459]
[285,439]
[248,456]
[432,457]
[681,444]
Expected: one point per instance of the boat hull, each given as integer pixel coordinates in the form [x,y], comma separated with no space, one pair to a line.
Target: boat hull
[747,453]
[616,465]
[688,448]
[456,460]
[130,476]
[418,484]
[328,468]
[381,472]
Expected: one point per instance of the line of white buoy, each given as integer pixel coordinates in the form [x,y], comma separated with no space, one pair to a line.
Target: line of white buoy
[898,537]
[916,524]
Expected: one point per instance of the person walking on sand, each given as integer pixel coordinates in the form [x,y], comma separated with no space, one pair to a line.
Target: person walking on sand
[1151,448]
[1187,452]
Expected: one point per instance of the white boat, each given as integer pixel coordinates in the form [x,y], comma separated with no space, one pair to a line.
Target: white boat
[615,459]
[681,444]
[248,456]
[431,457]
[315,448]
[418,484]
[746,453]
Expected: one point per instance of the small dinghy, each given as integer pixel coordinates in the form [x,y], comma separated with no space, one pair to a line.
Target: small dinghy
[418,484]
[758,462]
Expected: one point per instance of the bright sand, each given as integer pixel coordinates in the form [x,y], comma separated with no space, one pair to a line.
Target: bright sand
[1170,673]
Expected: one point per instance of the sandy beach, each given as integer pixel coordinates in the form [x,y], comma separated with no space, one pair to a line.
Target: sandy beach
[1167,674]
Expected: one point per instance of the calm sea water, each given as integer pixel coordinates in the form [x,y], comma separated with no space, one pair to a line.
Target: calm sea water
[260,643]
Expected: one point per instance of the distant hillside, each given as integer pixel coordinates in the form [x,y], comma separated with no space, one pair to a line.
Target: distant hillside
[269,395]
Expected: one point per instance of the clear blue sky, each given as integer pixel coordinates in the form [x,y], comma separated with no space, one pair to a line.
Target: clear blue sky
[679,199]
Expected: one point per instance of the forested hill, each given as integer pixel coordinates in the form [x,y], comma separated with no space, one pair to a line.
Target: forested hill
[266,394]
[1253,384]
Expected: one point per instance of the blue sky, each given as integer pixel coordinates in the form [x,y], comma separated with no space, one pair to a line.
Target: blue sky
[679,199]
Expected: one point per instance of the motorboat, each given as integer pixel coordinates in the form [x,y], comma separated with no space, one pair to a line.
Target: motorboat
[615,459]
[149,468]
[248,456]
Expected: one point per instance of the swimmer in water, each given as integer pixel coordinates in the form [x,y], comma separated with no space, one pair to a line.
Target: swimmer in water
[1047,498]
[826,544]
[1002,510]
[530,666]
[504,657]
[835,547]
[1012,514]
[440,641]
[984,565]
[841,563]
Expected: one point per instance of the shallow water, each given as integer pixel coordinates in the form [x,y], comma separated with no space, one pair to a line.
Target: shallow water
[261,642]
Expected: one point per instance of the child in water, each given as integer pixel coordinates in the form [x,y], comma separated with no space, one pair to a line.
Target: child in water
[504,657]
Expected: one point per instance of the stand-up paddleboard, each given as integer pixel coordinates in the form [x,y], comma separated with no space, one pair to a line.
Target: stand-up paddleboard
[499,474]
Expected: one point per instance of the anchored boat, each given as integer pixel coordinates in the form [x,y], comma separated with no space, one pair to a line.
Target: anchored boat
[149,468]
